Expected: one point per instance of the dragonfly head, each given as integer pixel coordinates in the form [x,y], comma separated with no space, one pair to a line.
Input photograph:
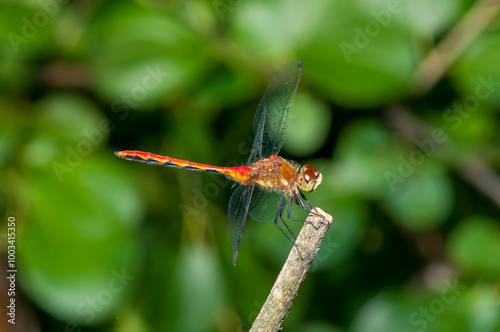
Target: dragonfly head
[310,178]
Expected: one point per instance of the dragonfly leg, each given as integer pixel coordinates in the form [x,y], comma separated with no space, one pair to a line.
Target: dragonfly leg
[279,215]
[303,206]
[306,205]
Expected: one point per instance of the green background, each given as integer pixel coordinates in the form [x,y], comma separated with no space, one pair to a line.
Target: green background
[409,154]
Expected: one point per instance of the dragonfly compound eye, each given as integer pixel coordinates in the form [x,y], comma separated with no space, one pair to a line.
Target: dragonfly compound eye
[310,178]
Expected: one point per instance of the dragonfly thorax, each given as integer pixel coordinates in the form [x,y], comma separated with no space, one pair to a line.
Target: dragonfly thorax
[275,173]
[309,178]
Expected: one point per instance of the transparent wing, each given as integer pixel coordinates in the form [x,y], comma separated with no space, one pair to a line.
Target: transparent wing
[237,215]
[264,204]
[271,117]
[256,152]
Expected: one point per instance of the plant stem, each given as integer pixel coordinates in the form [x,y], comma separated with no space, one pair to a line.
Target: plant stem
[292,274]
[439,60]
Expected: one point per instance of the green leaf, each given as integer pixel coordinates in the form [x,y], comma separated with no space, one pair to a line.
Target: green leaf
[255,25]
[364,153]
[412,311]
[477,75]
[78,251]
[135,70]
[475,246]
[429,18]
[308,126]
[67,116]
[200,286]
[358,61]
[471,131]
[424,198]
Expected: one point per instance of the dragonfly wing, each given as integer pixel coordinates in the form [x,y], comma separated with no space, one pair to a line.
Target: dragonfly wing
[256,152]
[237,215]
[264,204]
[271,117]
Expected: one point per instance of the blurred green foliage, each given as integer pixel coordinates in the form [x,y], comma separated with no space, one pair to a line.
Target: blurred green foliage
[411,176]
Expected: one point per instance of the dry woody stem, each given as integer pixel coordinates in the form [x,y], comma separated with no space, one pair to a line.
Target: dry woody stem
[292,274]
[439,60]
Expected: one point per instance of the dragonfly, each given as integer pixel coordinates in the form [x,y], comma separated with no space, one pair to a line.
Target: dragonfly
[267,182]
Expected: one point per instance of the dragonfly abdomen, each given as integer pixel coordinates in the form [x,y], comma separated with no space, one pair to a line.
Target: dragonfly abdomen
[239,174]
